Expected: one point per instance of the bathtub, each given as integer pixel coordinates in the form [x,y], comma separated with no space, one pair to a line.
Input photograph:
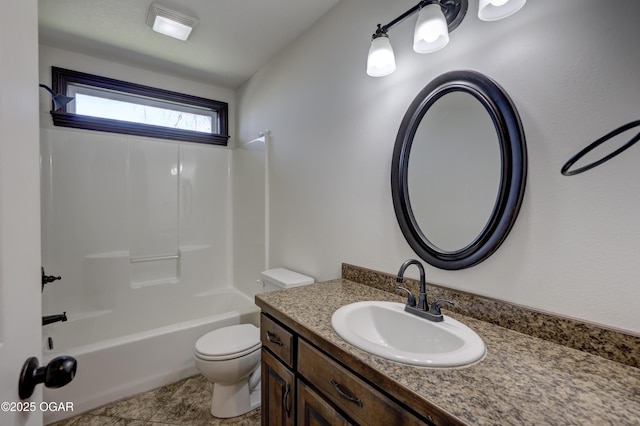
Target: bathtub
[116,360]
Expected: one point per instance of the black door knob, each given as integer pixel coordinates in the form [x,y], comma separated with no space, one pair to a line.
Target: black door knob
[60,371]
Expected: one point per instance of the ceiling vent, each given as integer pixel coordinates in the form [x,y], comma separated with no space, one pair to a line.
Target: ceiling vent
[169,22]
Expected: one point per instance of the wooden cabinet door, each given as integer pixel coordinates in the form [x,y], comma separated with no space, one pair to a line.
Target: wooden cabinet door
[278,392]
[313,410]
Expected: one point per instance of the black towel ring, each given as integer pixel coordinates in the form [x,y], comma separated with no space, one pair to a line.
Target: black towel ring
[565,169]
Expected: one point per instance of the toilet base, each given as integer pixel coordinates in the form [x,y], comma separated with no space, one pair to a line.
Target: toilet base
[234,400]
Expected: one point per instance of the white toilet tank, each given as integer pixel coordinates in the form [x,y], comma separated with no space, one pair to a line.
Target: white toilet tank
[279,278]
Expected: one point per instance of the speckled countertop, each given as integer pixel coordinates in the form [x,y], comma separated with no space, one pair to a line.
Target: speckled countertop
[523,380]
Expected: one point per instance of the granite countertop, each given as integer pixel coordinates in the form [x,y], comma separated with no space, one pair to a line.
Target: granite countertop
[523,380]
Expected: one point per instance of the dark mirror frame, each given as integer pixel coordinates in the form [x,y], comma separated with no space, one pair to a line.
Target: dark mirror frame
[513,154]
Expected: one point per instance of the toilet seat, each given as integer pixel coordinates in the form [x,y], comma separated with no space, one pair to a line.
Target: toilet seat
[228,342]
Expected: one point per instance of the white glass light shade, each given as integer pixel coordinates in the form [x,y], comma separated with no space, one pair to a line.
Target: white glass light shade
[492,10]
[171,28]
[381,60]
[431,32]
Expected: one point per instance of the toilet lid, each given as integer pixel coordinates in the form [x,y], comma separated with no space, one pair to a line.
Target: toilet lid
[226,341]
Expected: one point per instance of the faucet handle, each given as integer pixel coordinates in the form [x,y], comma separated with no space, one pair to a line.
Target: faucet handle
[46,279]
[411,299]
[435,306]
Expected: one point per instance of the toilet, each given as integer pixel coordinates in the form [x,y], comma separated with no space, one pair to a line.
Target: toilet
[229,357]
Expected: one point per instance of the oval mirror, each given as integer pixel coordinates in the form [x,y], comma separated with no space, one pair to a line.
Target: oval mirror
[459,170]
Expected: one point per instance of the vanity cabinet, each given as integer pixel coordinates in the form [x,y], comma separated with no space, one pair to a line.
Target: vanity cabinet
[278,380]
[305,386]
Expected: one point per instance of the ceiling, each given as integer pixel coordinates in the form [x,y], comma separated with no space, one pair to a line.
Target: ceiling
[233,39]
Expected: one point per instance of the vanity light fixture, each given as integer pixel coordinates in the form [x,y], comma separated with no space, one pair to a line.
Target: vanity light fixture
[169,22]
[436,19]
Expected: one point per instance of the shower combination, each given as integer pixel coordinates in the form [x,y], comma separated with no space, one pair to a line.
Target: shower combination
[50,319]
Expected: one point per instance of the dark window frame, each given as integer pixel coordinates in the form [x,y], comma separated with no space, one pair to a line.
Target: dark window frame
[61,78]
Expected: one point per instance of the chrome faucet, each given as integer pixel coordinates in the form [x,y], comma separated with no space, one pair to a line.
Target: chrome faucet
[432,313]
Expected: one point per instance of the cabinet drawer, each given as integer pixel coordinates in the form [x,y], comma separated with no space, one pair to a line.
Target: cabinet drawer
[277,339]
[356,398]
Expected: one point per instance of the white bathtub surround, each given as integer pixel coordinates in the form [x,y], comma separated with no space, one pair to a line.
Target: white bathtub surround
[154,183]
[105,197]
[95,189]
[138,230]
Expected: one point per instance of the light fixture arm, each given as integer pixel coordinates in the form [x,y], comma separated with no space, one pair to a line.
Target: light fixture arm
[453,10]
[384,28]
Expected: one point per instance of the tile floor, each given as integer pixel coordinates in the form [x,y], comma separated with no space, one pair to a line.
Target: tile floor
[183,403]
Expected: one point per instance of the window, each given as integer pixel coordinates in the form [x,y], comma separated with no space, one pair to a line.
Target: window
[116,106]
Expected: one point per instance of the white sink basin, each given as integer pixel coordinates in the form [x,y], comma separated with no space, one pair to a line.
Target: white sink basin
[386,330]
